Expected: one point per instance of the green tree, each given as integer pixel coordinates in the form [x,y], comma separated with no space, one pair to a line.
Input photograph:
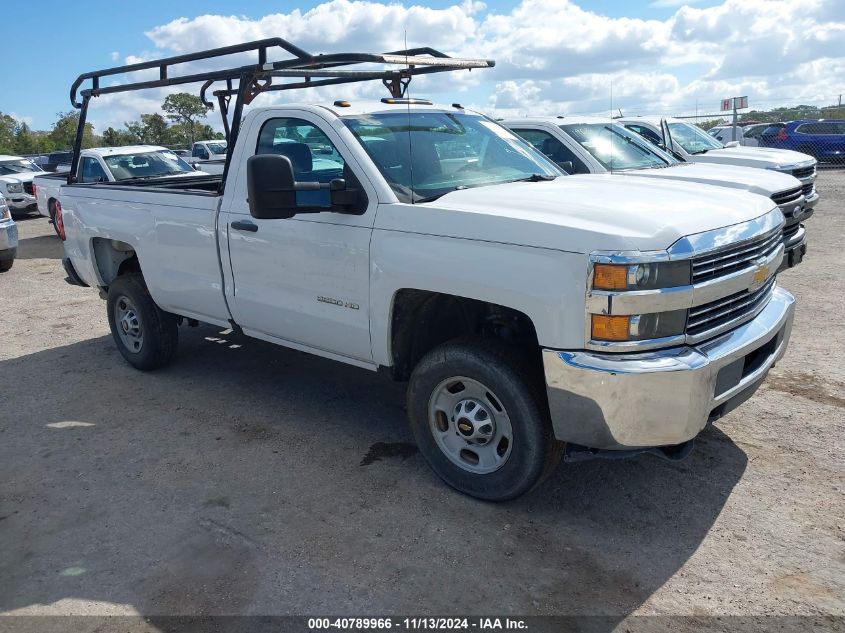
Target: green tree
[152,129]
[8,126]
[63,133]
[185,109]
[26,141]
[118,138]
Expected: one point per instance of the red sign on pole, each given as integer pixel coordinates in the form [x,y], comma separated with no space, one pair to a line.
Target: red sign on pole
[734,103]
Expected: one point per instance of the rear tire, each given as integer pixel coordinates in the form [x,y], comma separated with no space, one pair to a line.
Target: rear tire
[145,335]
[480,419]
[51,206]
[6,265]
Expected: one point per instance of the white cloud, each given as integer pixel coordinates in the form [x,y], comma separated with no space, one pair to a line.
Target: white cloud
[115,55]
[671,4]
[552,56]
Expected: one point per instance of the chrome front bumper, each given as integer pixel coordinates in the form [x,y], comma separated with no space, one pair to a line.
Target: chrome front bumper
[663,397]
[8,236]
[21,201]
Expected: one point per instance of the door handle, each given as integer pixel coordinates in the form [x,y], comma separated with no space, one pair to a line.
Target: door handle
[244,225]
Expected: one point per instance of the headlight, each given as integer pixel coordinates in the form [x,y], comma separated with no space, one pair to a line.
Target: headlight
[646,276]
[637,327]
[14,187]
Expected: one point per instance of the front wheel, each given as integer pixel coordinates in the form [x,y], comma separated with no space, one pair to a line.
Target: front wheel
[6,265]
[145,335]
[480,420]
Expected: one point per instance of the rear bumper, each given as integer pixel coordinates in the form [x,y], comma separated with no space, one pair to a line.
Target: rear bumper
[665,397]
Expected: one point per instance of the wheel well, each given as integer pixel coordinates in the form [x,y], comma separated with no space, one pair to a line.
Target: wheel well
[114,258]
[422,320]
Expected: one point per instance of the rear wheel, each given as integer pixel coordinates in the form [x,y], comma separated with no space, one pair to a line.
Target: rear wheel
[6,265]
[480,421]
[51,206]
[145,335]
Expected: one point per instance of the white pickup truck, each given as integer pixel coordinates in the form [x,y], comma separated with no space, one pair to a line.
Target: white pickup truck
[16,177]
[592,145]
[209,156]
[692,144]
[112,164]
[533,313]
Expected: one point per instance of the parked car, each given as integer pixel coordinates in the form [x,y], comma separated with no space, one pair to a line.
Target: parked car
[113,164]
[210,156]
[8,237]
[58,161]
[16,176]
[592,145]
[821,139]
[690,143]
[746,135]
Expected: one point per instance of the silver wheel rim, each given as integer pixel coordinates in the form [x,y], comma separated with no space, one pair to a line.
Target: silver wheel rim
[470,425]
[128,324]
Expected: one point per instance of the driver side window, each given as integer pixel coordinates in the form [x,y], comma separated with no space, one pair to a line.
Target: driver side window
[646,133]
[92,171]
[313,156]
[554,150]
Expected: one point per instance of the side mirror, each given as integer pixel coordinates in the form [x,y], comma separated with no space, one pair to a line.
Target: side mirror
[732,144]
[566,166]
[272,190]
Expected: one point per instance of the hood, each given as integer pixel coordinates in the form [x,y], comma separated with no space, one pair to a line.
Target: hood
[754,157]
[579,214]
[762,181]
[26,176]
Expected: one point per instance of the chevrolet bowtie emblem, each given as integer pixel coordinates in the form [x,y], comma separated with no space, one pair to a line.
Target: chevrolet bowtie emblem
[760,276]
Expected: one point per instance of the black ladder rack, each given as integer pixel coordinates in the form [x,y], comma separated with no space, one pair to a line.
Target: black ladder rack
[246,82]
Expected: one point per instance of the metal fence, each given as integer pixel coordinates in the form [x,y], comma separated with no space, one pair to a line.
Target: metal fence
[817,131]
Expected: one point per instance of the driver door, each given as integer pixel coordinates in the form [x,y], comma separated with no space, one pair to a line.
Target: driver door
[303,281]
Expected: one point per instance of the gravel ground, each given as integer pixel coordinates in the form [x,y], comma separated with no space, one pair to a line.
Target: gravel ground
[249,479]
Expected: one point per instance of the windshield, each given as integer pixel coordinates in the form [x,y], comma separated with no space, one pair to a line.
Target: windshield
[617,148]
[692,138]
[17,167]
[216,148]
[424,155]
[146,165]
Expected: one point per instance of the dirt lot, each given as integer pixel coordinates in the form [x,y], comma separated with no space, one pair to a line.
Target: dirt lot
[248,479]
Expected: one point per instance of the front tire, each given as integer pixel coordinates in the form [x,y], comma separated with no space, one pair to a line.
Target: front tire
[480,420]
[145,335]
[6,265]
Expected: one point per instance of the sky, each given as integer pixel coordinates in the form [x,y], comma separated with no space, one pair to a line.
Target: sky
[553,56]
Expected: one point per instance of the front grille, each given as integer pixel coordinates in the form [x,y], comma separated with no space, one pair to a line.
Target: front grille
[711,316]
[804,172]
[789,231]
[785,197]
[27,186]
[808,190]
[735,257]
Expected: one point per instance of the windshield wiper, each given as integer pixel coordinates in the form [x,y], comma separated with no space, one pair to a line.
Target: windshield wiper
[535,178]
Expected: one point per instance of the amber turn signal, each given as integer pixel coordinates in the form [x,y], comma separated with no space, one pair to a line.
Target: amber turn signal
[605,327]
[610,277]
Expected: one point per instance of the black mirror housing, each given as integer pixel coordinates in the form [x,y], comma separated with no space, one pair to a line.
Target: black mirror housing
[566,166]
[271,187]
